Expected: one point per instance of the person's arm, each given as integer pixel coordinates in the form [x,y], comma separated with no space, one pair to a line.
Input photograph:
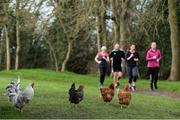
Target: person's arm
[123,57]
[159,56]
[129,56]
[148,58]
[107,59]
[96,59]
[136,57]
[111,56]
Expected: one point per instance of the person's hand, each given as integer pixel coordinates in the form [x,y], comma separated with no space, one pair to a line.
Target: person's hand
[99,62]
[131,55]
[157,60]
[154,57]
[107,60]
[104,57]
[136,59]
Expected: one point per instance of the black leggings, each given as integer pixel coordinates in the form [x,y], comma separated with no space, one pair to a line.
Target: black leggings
[153,72]
[102,74]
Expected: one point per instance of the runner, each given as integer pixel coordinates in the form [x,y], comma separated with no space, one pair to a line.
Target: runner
[132,57]
[117,56]
[153,58]
[102,58]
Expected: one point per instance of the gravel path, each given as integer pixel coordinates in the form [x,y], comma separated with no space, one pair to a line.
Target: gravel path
[168,94]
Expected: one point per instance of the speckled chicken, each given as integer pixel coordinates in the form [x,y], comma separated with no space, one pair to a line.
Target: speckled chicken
[17,96]
[76,95]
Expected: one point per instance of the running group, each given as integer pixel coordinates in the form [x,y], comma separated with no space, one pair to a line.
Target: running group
[131,57]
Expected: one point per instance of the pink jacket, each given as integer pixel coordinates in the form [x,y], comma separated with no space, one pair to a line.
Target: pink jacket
[153,58]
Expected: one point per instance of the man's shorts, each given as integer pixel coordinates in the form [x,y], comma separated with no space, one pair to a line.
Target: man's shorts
[117,69]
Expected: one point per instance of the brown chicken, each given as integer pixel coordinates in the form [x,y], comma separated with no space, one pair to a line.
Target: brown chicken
[107,93]
[124,96]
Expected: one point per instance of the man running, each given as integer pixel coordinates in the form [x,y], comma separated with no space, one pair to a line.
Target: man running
[117,56]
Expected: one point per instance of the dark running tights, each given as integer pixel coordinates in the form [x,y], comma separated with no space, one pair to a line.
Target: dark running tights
[153,72]
[133,73]
[102,74]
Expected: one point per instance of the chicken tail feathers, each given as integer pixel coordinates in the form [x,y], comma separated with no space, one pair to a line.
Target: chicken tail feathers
[73,85]
[101,89]
[32,85]
[18,83]
[12,91]
[72,88]
[111,86]
[126,88]
[81,87]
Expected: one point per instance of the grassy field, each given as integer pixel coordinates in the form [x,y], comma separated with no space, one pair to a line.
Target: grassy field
[51,98]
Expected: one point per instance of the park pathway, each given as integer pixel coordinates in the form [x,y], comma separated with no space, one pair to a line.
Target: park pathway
[163,93]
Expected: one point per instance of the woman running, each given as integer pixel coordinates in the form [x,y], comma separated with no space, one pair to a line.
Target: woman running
[102,58]
[132,57]
[153,58]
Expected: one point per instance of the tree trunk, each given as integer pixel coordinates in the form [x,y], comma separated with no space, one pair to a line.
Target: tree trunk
[98,33]
[54,56]
[67,55]
[175,40]
[116,27]
[1,46]
[122,34]
[103,22]
[17,36]
[116,33]
[8,59]
[124,28]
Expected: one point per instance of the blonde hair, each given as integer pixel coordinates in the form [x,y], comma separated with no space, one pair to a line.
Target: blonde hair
[103,48]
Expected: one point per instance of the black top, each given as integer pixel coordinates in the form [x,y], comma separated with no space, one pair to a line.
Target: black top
[117,55]
[131,61]
[100,58]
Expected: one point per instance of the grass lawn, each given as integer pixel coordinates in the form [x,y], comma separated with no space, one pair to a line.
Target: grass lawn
[51,98]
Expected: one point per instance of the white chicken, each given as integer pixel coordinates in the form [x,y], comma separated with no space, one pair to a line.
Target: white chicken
[18,97]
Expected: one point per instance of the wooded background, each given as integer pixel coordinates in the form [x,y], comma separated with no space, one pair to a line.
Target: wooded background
[66,34]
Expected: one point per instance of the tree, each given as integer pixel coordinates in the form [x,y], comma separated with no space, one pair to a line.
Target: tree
[8,59]
[66,22]
[175,40]
[116,24]
[124,25]
[98,30]
[73,20]
[103,21]
[78,27]
[17,36]
[5,35]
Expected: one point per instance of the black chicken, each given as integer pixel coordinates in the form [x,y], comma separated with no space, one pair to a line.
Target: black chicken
[76,95]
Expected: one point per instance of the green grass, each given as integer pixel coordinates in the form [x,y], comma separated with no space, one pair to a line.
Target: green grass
[51,98]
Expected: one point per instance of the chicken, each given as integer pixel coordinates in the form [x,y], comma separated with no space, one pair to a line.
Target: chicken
[76,95]
[18,97]
[124,96]
[107,93]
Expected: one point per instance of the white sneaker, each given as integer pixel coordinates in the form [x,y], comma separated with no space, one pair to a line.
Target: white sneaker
[132,89]
[100,85]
